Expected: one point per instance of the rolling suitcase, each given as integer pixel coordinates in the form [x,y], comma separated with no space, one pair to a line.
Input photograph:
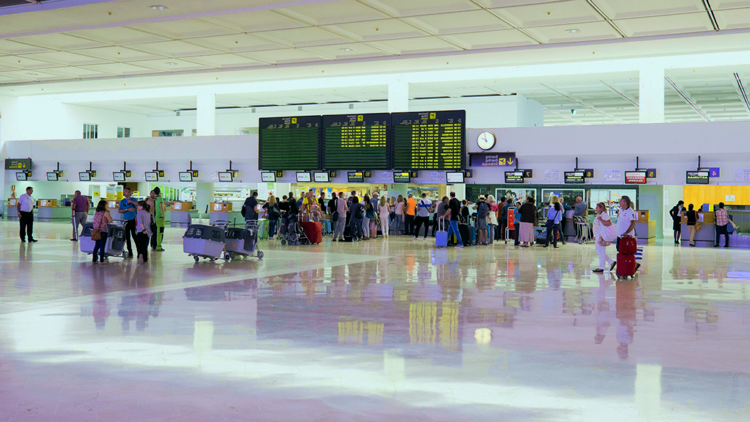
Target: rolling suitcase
[625,265]
[441,236]
[473,234]
[465,232]
[628,245]
[373,228]
[313,231]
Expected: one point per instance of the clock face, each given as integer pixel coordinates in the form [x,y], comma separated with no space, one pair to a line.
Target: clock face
[486,140]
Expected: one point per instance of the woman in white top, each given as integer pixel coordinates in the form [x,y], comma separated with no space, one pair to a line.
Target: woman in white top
[399,213]
[602,220]
[385,212]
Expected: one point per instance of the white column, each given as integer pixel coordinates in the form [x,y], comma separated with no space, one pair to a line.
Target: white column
[204,195]
[206,115]
[651,94]
[398,96]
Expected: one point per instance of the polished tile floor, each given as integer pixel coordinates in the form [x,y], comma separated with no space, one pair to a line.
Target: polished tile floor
[371,331]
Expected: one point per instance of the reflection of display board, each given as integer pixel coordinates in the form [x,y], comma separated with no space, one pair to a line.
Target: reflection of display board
[356,138]
[399,177]
[429,140]
[697,177]
[321,177]
[304,177]
[186,176]
[118,176]
[635,177]
[457,177]
[355,177]
[268,176]
[289,143]
[514,176]
[575,177]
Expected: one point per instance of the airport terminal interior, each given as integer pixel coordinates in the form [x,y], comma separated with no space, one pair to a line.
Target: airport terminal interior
[543,210]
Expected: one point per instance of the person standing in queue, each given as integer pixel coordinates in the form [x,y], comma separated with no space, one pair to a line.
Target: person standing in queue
[102,218]
[692,219]
[626,219]
[369,213]
[441,207]
[385,212]
[722,221]
[554,216]
[517,223]
[80,210]
[676,214]
[455,211]
[357,215]
[25,209]
[143,227]
[423,216]
[411,212]
[340,208]
[150,200]
[322,204]
[400,204]
[528,217]
[128,210]
[250,207]
[492,220]
[160,218]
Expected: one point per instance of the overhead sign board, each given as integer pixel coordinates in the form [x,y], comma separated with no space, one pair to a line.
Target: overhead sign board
[635,177]
[486,159]
[514,176]
[697,177]
[18,164]
[575,177]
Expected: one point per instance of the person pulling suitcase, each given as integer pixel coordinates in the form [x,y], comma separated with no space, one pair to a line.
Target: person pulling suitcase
[627,245]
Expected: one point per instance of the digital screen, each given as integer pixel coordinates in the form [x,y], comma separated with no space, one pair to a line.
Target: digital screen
[186,176]
[18,164]
[635,177]
[225,176]
[697,177]
[575,177]
[289,143]
[399,177]
[84,176]
[304,177]
[356,138]
[21,176]
[268,176]
[118,176]
[152,176]
[52,176]
[321,177]
[454,177]
[514,176]
[355,177]
[429,140]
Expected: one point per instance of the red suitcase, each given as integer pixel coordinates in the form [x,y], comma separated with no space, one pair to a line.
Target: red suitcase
[373,228]
[313,231]
[625,265]
[628,245]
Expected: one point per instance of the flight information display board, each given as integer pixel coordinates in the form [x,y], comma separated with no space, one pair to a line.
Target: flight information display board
[289,143]
[429,140]
[353,140]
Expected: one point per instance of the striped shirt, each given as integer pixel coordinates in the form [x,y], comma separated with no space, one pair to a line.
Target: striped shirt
[722,217]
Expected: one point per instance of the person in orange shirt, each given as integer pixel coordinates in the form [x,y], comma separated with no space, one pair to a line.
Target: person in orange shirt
[411,211]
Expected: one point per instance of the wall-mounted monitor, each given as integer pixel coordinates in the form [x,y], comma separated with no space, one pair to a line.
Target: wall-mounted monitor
[52,176]
[321,177]
[226,176]
[118,176]
[186,176]
[454,177]
[303,177]
[636,177]
[697,177]
[152,176]
[21,176]
[84,176]
[401,177]
[268,176]
[575,177]
[355,177]
[514,176]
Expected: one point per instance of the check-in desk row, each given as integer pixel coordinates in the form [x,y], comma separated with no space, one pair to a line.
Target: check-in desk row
[706,236]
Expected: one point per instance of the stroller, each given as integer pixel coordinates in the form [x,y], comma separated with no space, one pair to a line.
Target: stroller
[242,242]
[292,232]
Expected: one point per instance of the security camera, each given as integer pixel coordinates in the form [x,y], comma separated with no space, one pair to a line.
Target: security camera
[573,111]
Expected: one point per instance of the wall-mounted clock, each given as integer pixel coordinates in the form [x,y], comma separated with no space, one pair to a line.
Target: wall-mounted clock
[486,140]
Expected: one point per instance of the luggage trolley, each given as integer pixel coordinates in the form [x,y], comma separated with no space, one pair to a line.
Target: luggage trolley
[115,244]
[201,241]
[583,230]
[243,242]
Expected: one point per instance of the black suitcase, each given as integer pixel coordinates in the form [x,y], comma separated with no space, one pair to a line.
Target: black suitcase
[465,234]
[347,234]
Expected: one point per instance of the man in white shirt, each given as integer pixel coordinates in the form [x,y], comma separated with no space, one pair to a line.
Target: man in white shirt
[423,215]
[25,208]
[626,219]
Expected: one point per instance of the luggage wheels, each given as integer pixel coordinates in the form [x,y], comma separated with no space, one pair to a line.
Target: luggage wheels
[260,255]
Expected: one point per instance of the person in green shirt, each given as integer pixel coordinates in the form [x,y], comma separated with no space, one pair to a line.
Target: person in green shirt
[159,218]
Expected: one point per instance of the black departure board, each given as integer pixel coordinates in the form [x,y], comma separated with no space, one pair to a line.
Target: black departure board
[289,143]
[356,140]
[429,140]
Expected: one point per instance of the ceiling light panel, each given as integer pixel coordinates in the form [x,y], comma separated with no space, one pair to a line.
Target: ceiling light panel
[19,62]
[379,30]
[237,43]
[225,61]
[421,7]
[175,49]
[263,20]
[493,39]
[460,22]
[733,19]
[117,54]
[569,12]
[416,46]
[589,32]
[120,69]
[346,51]
[283,56]
[58,41]
[663,25]
[172,65]
[331,13]
[11,47]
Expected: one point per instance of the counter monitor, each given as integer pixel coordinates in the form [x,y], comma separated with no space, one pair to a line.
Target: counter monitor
[514,176]
[118,176]
[186,176]
[84,176]
[356,138]
[635,177]
[289,143]
[399,177]
[456,177]
[321,177]
[52,176]
[304,177]
[152,176]
[226,176]
[21,176]
[429,140]
[355,177]
[575,177]
[697,177]
[268,176]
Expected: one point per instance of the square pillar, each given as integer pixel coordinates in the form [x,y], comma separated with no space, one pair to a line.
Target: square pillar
[206,114]
[398,96]
[651,94]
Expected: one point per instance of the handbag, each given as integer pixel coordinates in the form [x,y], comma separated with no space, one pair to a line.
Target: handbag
[731,227]
[698,226]
[603,242]
[96,234]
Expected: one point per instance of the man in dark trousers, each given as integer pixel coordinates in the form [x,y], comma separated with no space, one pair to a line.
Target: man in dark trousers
[128,209]
[25,208]
[250,208]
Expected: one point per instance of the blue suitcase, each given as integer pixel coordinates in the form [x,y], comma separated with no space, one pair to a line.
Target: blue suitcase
[473,237]
[441,236]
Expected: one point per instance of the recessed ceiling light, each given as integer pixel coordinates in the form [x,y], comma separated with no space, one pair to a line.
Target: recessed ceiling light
[172,63]
[347,49]
[573,31]
[159,7]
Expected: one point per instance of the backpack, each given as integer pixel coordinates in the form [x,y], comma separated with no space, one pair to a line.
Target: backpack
[482,210]
[358,213]
[274,212]
[335,215]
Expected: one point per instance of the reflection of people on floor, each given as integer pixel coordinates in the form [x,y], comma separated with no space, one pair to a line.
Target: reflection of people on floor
[603,309]
[625,315]
[528,274]
[554,278]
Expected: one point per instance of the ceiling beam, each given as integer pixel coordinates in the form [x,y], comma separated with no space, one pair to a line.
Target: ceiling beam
[616,91]
[711,16]
[740,88]
[606,18]
[592,108]
[686,97]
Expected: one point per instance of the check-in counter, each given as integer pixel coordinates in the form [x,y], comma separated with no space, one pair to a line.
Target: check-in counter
[706,236]
[47,211]
[179,214]
[645,228]
[219,211]
[10,209]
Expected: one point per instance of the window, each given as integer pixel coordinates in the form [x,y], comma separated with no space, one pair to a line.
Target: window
[160,133]
[90,131]
[123,132]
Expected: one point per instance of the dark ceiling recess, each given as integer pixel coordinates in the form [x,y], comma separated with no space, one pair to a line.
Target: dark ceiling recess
[6,3]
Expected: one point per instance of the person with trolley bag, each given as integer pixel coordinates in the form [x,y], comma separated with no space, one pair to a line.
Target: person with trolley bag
[128,210]
[627,244]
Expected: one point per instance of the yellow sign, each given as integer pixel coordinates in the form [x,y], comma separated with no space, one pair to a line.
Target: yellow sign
[501,161]
[360,118]
[294,120]
[433,115]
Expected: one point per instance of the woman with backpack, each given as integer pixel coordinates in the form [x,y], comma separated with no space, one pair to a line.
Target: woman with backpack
[369,214]
[483,211]
[554,217]
[274,213]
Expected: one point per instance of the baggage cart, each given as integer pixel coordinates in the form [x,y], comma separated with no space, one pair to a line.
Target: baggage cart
[243,242]
[114,245]
[201,241]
